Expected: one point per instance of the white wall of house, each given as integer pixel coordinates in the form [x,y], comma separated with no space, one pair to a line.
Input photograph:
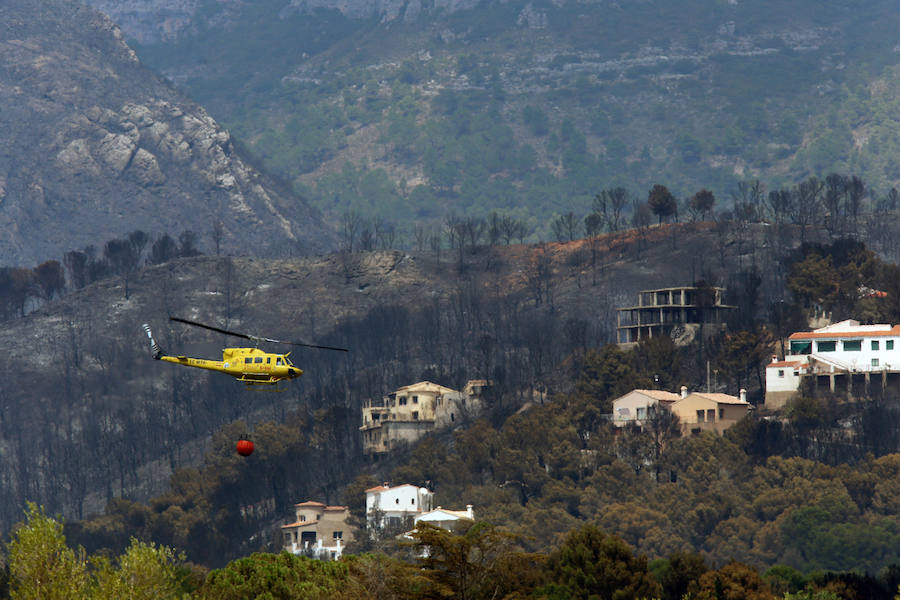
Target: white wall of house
[398,502]
[849,346]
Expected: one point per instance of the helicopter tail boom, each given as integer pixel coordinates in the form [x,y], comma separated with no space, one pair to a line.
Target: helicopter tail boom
[155,350]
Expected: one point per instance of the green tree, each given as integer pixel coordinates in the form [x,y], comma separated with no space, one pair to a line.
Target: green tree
[283,576]
[593,564]
[41,566]
[145,572]
[484,562]
[606,374]
[734,581]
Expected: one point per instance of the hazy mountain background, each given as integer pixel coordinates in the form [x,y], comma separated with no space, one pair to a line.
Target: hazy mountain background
[408,110]
[95,145]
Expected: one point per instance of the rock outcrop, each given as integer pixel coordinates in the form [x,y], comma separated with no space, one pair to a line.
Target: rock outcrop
[97,146]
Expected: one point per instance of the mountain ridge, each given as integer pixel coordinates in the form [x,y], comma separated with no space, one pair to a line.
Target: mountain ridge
[98,146]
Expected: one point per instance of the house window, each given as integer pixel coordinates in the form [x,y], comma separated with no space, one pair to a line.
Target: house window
[403,401]
[415,399]
[874,344]
[641,413]
[852,345]
[701,414]
[889,344]
[397,501]
[415,415]
[337,535]
[874,362]
[302,518]
[721,413]
[828,346]
[711,415]
[781,372]
[802,347]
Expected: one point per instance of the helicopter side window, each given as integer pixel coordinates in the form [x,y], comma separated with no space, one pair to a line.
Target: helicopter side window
[259,359]
[268,359]
[278,361]
[248,360]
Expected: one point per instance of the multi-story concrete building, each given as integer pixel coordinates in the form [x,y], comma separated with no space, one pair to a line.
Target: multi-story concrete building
[842,358]
[320,531]
[678,312]
[410,412]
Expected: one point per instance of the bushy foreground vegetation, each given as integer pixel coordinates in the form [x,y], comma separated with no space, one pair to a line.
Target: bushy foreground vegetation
[481,562]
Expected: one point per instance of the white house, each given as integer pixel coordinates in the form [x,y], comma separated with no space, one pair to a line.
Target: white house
[843,353]
[446,519]
[388,506]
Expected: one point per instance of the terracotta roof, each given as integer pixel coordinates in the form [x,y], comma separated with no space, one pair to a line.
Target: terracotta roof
[660,394]
[858,333]
[310,503]
[299,524]
[785,363]
[382,488]
[335,508]
[424,386]
[717,397]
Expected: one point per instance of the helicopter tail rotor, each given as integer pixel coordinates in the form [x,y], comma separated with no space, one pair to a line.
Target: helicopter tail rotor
[155,350]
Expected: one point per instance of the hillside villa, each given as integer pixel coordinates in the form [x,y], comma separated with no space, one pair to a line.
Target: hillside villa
[320,531]
[696,411]
[409,412]
[844,356]
[396,506]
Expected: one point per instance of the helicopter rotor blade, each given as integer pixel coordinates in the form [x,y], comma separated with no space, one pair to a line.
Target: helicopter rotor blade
[216,329]
[254,338]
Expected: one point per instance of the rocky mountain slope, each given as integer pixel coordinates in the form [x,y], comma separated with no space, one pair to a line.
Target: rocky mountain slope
[96,146]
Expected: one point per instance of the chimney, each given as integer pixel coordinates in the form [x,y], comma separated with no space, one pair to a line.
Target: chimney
[743,395]
[469,512]
[684,391]
[774,358]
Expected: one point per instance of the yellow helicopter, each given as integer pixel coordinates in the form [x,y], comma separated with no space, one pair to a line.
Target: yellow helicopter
[250,365]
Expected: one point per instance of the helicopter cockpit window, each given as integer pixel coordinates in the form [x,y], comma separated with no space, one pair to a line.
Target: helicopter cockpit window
[278,361]
[259,359]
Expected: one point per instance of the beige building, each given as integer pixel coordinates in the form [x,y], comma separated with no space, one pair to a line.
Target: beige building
[408,413]
[321,531]
[713,411]
[696,411]
[637,405]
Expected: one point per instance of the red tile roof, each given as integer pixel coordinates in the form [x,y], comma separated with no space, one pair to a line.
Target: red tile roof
[785,363]
[810,335]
